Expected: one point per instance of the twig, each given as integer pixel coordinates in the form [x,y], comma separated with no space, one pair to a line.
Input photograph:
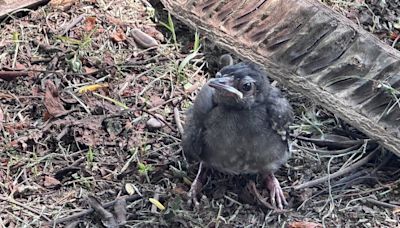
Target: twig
[73,224]
[47,48]
[133,64]
[106,217]
[72,24]
[382,204]
[63,132]
[126,166]
[79,101]
[342,144]
[328,152]
[150,84]
[10,200]
[358,193]
[146,3]
[338,173]
[156,197]
[164,103]
[178,120]
[90,210]
[17,44]
[11,75]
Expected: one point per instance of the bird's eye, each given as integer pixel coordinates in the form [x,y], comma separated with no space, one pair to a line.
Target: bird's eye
[247,87]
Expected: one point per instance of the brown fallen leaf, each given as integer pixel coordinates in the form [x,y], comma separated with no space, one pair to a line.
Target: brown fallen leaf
[51,181]
[52,101]
[5,96]
[19,66]
[396,210]
[156,100]
[394,35]
[90,24]
[108,59]
[179,190]
[115,21]
[118,36]
[63,4]
[153,32]
[12,128]
[304,225]
[89,70]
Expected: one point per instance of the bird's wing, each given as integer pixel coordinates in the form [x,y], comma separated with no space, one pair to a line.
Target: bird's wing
[192,140]
[280,112]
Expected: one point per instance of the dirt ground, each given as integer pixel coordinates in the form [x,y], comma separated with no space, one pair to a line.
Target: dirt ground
[93,114]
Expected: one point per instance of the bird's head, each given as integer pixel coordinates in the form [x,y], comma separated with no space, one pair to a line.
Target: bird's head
[240,86]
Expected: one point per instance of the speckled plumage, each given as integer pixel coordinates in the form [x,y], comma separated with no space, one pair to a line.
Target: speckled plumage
[235,135]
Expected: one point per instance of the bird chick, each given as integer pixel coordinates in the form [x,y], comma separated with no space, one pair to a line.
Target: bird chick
[239,124]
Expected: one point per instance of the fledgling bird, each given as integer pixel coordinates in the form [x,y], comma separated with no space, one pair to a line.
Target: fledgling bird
[239,124]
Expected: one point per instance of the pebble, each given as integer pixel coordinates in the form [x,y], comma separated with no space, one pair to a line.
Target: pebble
[154,123]
[143,40]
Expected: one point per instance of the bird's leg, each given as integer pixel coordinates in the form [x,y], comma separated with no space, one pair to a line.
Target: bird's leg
[196,186]
[275,191]
[251,186]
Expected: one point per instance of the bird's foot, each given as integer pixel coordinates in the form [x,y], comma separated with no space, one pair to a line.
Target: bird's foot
[194,192]
[260,199]
[196,186]
[276,194]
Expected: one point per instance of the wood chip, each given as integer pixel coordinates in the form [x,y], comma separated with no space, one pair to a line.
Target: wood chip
[8,6]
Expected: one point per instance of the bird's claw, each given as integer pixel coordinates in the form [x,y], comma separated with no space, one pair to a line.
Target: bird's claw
[276,194]
[260,199]
[195,188]
[193,193]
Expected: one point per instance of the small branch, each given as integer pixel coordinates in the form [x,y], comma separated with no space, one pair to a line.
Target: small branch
[327,152]
[72,24]
[12,201]
[178,120]
[47,48]
[341,144]
[156,197]
[90,210]
[338,173]
[382,204]
[11,75]
[106,217]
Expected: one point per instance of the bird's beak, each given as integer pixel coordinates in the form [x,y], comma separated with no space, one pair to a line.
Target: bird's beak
[225,84]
